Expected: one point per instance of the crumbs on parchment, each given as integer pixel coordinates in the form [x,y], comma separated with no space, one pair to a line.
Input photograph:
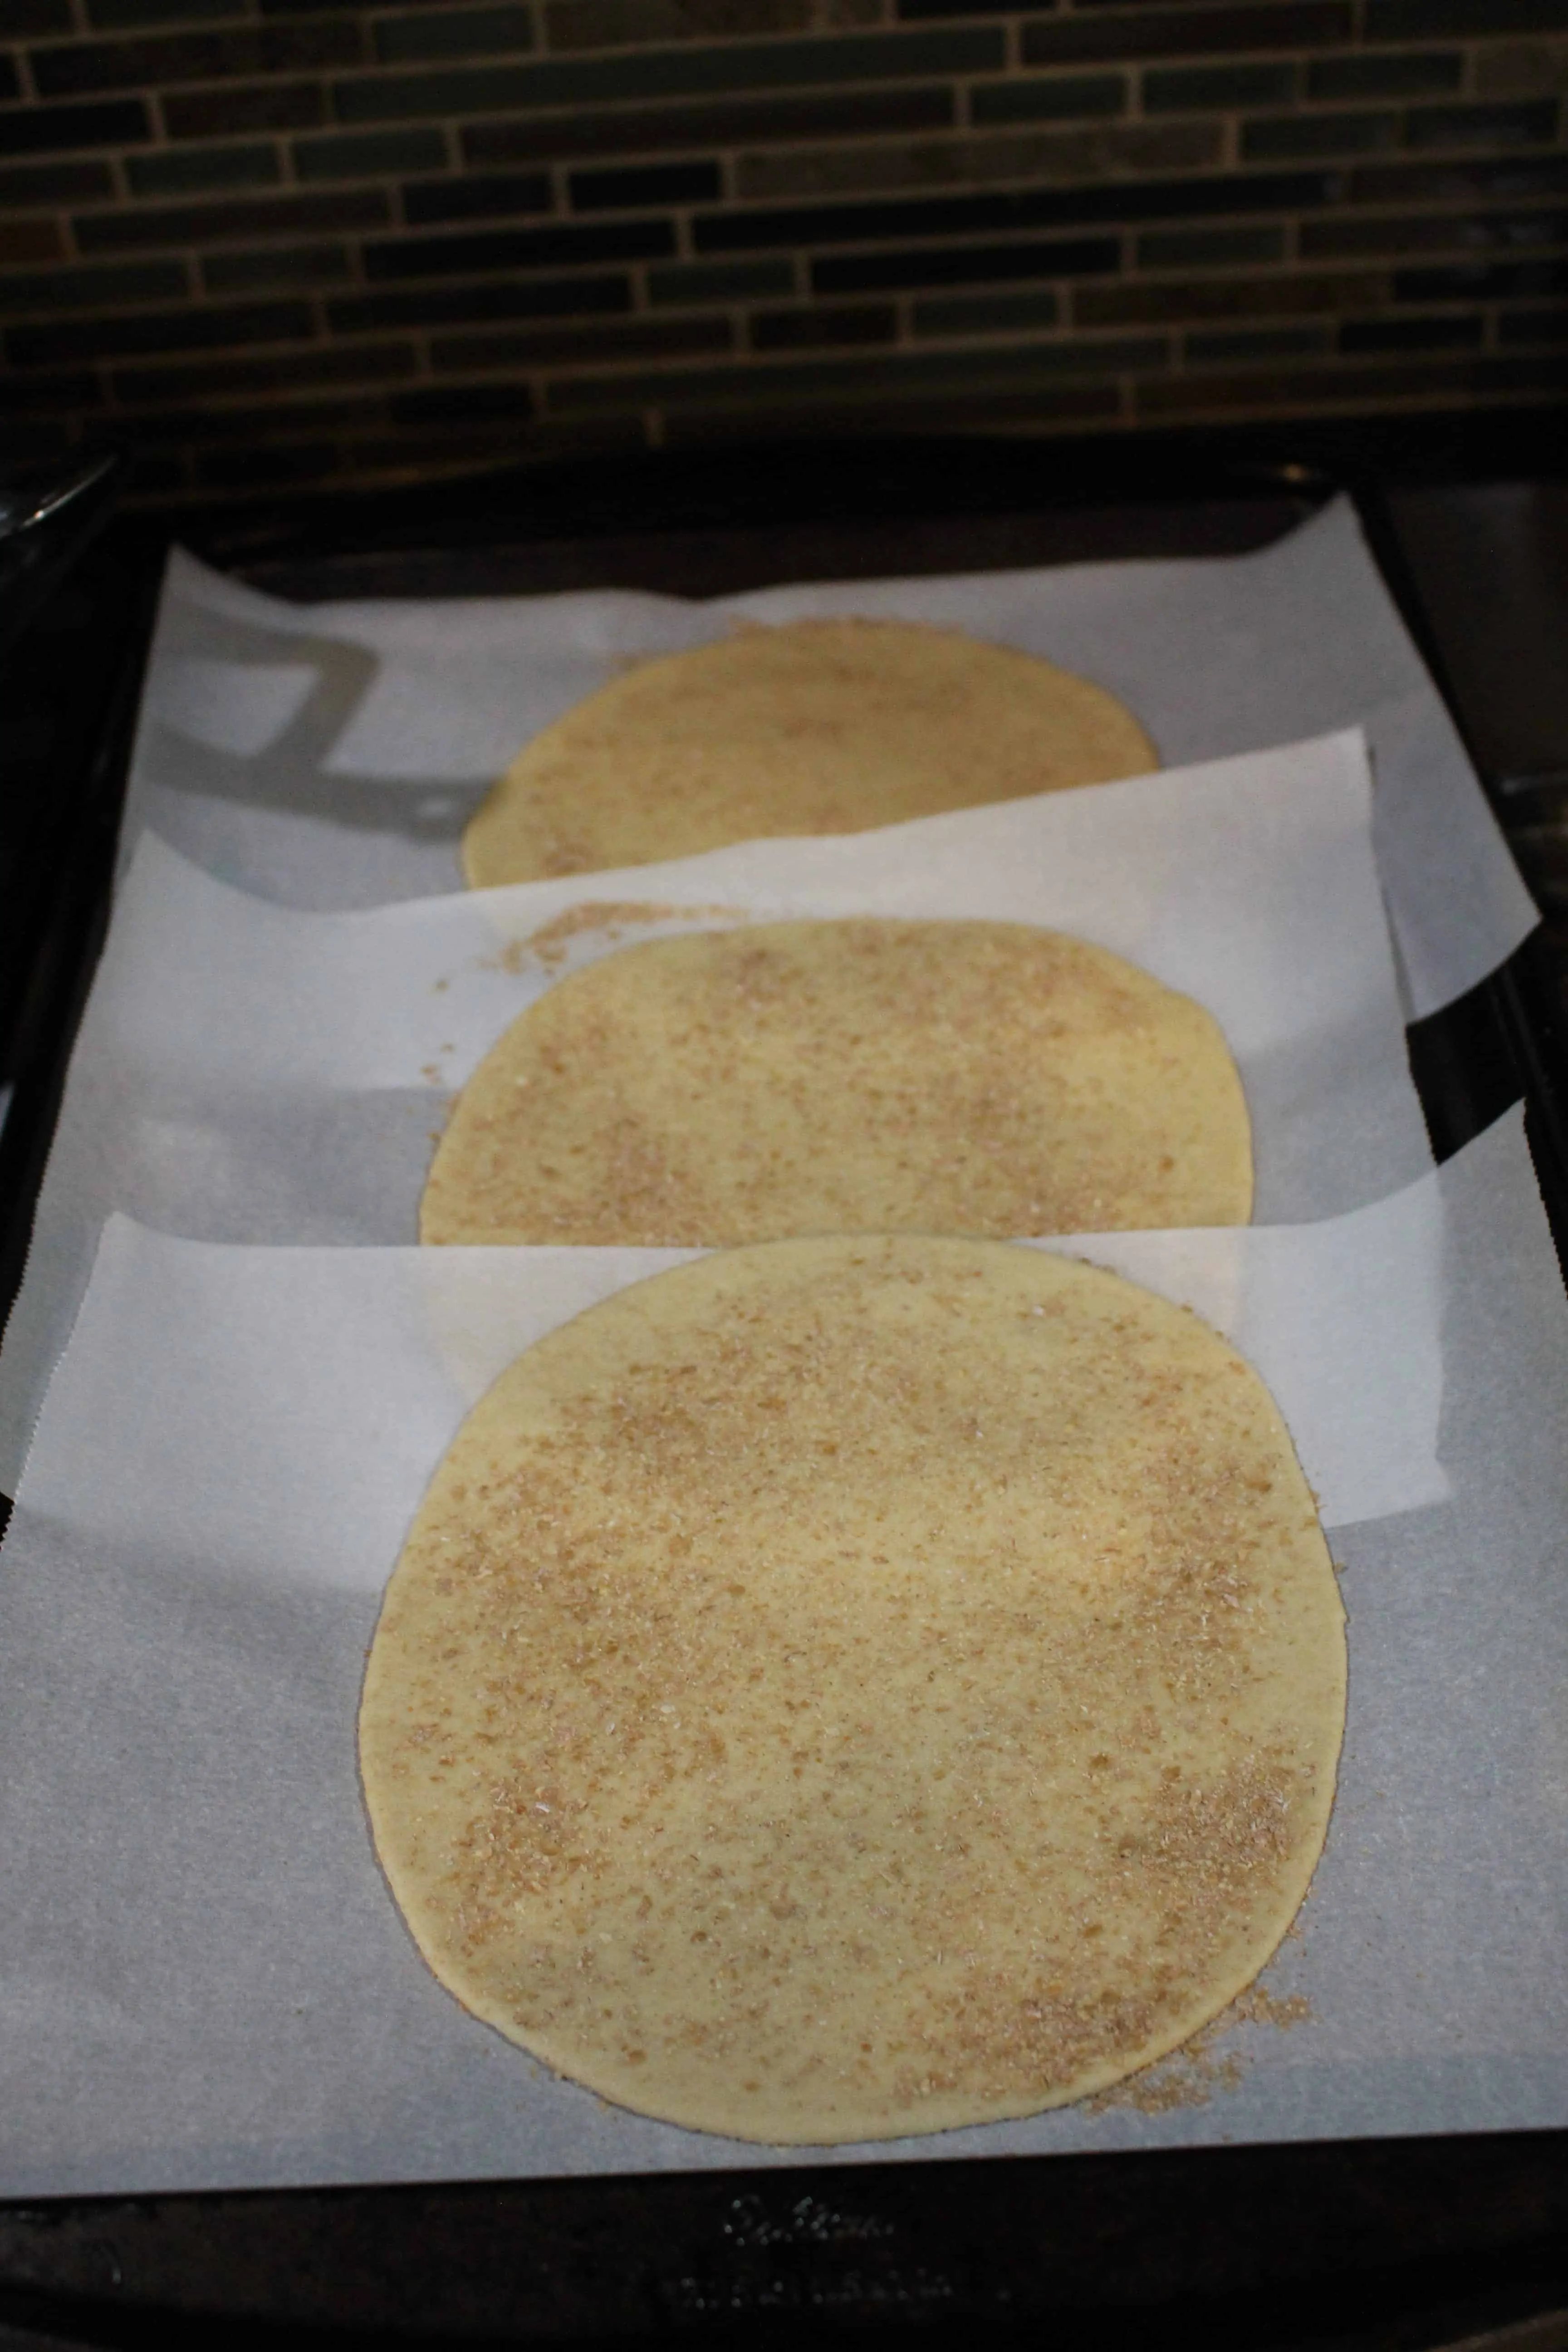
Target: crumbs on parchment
[1193,2076]
[552,944]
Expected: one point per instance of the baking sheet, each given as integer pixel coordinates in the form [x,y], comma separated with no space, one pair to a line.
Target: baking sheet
[202,1981]
[252,1073]
[328,756]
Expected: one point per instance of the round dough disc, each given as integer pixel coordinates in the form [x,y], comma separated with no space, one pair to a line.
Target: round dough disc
[862,1075]
[810,727]
[839,1689]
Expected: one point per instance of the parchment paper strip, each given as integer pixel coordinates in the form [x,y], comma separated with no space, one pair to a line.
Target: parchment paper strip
[250,1073]
[280,1411]
[202,1981]
[329,755]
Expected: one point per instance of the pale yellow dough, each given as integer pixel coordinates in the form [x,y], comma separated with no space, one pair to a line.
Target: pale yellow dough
[728,1086]
[842,1688]
[809,727]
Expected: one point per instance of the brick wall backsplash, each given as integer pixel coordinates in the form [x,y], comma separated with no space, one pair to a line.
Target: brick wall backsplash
[287,243]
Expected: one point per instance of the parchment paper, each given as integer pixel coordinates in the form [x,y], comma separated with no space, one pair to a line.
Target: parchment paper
[251,1073]
[202,1981]
[328,756]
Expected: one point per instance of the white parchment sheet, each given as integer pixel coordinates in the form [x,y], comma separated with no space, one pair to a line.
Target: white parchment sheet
[202,1981]
[252,1073]
[328,756]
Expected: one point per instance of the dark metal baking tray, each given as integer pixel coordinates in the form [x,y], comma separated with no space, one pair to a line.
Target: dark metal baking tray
[1373,2244]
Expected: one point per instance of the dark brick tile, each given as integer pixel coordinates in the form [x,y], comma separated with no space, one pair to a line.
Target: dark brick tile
[34,440]
[490,197]
[1185,32]
[1257,343]
[1457,180]
[1530,125]
[55,184]
[456,403]
[924,11]
[30,241]
[280,422]
[365,154]
[733,123]
[48,393]
[45,129]
[1549,325]
[93,290]
[1546,374]
[244,217]
[274,267]
[957,215]
[815,331]
[265,469]
[1526,68]
[1428,20]
[648,184]
[1208,248]
[43,438]
[151,477]
[40,429]
[1442,333]
[614,23]
[543,442]
[132,16]
[687,282]
[896,376]
[669,73]
[1038,409]
[441,306]
[160,59]
[1048,97]
[1365,386]
[1481,281]
[585,346]
[988,314]
[164,330]
[474,89]
[1098,152]
[1402,73]
[1167,301]
[961,265]
[262,106]
[1436,233]
[461,448]
[453,33]
[1217,87]
[518,248]
[178,386]
[181,171]
[10,81]
[291,8]
[24,17]
[1297,136]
